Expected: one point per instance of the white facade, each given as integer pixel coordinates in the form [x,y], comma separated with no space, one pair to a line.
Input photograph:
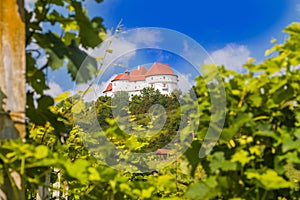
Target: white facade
[160,77]
[166,84]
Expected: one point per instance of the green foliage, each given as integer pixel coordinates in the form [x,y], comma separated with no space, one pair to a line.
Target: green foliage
[141,118]
[258,149]
[70,27]
[256,157]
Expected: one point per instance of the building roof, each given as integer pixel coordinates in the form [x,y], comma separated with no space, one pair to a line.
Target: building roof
[137,78]
[138,74]
[160,69]
[141,73]
[141,70]
[121,77]
[162,152]
[108,88]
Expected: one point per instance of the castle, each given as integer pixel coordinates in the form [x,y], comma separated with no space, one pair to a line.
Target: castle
[160,77]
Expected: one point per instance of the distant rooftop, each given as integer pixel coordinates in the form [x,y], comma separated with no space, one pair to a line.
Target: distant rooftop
[141,73]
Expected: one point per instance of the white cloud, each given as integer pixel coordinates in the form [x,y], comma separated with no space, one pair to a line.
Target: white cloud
[38,54]
[232,56]
[147,37]
[186,47]
[121,50]
[298,8]
[42,60]
[194,53]
[185,83]
[54,89]
[187,51]
[29,4]
[124,46]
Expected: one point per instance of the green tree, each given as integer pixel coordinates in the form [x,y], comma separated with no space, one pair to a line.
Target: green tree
[103,109]
[120,104]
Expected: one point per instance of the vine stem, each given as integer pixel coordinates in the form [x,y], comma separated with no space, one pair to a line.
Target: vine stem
[264,195]
[118,28]
[44,134]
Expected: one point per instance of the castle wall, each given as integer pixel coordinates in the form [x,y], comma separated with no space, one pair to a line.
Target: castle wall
[164,83]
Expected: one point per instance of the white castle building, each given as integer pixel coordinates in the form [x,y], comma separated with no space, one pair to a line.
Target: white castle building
[159,76]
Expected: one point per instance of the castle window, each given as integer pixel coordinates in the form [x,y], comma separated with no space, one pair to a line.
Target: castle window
[164,85]
[164,77]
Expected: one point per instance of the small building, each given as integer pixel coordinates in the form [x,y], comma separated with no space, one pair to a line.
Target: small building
[160,77]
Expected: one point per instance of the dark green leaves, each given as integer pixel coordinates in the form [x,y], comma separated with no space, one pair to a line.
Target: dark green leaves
[34,76]
[57,2]
[80,65]
[62,46]
[89,31]
[54,61]
[45,102]
[41,114]
[192,155]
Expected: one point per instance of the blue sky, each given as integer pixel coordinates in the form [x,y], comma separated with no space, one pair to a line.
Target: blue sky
[213,23]
[230,31]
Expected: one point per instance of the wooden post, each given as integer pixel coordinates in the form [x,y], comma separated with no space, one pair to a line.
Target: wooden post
[12,87]
[12,67]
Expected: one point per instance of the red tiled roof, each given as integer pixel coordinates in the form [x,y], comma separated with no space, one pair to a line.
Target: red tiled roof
[121,77]
[143,70]
[141,73]
[137,78]
[108,88]
[138,74]
[160,69]
[162,152]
